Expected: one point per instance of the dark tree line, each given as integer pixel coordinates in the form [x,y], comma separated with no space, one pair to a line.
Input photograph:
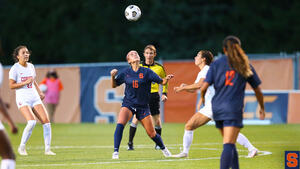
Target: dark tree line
[96,30]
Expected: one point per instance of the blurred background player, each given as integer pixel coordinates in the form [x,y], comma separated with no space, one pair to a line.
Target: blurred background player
[6,151]
[28,98]
[154,100]
[204,115]
[53,87]
[229,76]
[137,92]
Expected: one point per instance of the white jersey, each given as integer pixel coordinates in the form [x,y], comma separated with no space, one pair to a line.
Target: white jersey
[210,91]
[20,74]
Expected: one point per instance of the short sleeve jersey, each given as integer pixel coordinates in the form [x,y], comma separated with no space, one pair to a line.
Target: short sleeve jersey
[137,85]
[210,91]
[228,101]
[20,74]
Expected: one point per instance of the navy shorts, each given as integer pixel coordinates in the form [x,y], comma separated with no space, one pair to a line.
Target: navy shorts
[140,113]
[226,123]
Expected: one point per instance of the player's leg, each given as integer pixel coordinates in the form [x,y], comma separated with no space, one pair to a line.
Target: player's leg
[148,125]
[31,122]
[197,120]
[6,151]
[124,116]
[132,131]
[243,140]
[157,126]
[51,109]
[229,157]
[41,113]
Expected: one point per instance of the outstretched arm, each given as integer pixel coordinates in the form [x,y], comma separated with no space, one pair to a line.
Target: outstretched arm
[113,80]
[189,88]
[260,98]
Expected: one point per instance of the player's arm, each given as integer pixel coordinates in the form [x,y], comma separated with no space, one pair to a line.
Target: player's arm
[189,88]
[14,85]
[113,79]
[11,123]
[203,91]
[260,98]
[41,94]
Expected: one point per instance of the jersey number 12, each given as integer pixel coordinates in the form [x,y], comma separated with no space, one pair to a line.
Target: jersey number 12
[229,76]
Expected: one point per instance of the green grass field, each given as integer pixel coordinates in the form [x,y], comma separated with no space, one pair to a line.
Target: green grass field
[89,146]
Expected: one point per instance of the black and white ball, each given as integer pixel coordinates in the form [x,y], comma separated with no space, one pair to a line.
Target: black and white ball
[133,13]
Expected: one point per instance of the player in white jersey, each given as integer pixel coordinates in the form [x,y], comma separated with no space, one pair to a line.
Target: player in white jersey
[28,98]
[6,151]
[204,115]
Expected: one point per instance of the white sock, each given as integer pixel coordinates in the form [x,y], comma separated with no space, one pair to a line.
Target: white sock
[27,132]
[133,125]
[8,164]
[47,135]
[187,140]
[242,140]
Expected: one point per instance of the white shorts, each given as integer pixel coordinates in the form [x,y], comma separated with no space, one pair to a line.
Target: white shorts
[1,126]
[28,101]
[207,111]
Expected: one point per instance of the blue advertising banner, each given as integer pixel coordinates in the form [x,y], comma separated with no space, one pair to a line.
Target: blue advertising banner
[99,102]
[276,107]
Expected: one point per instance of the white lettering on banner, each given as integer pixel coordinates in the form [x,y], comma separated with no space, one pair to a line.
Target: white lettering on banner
[251,115]
[107,100]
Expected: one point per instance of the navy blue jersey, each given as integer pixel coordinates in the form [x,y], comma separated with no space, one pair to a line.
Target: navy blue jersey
[138,85]
[228,101]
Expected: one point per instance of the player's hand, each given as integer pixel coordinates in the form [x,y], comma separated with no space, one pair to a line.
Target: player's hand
[14,129]
[28,81]
[164,98]
[168,77]
[262,114]
[113,72]
[42,95]
[178,89]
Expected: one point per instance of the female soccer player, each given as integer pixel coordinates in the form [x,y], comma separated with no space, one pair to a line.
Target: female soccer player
[6,151]
[28,98]
[229,76]
[138,85]
[204,115]
[154,100]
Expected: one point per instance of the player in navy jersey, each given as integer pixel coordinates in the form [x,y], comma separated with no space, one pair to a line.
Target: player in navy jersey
[137,92]
[229,76]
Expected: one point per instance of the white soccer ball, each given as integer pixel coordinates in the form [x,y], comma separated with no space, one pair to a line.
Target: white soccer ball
[43,87]
[133,13]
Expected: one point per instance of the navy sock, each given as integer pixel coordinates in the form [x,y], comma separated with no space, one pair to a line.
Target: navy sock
[235,160]
[118,136]
[157,139]
[227,156]
[132,131]
[158,130]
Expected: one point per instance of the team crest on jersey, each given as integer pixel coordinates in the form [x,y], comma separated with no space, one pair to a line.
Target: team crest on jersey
[141,75]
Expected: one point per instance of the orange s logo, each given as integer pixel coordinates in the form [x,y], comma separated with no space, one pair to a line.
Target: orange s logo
[292,160]
[229,76]
[141,75]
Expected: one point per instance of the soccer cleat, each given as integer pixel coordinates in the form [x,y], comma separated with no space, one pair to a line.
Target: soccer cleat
[50,153]
[166,152]
[157,147]
[130,146]
[115,155]
[22,151]
[180,155]
[252,153]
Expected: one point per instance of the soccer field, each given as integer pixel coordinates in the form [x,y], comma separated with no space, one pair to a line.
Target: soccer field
[89,146]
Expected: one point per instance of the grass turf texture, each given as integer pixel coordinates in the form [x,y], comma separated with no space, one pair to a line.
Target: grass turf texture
[91,145]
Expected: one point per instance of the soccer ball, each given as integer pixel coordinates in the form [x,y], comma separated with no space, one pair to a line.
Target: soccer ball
[133,13]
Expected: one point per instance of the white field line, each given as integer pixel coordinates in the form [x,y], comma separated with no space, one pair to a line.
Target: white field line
[260,153]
